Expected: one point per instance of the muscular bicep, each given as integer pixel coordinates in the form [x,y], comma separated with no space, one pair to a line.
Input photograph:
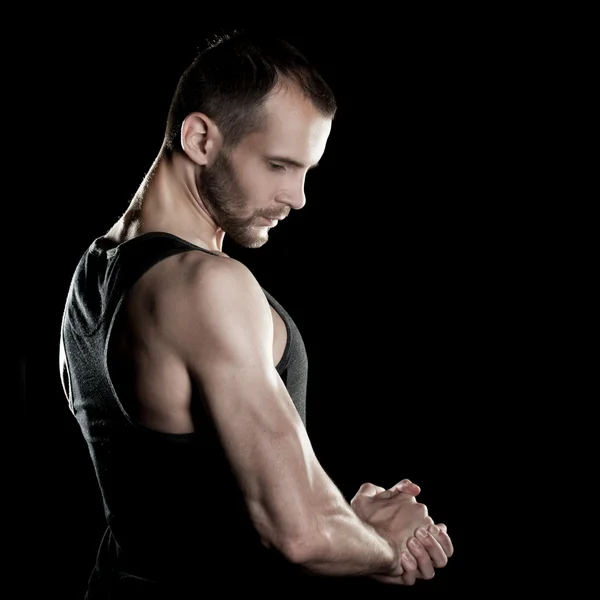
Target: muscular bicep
[227,346]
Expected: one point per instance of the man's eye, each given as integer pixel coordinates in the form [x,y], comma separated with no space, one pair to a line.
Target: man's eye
[277,167]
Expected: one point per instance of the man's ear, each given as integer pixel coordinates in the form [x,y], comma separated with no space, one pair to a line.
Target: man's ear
[200,138]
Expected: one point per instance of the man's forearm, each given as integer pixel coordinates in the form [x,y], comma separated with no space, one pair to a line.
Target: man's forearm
[346,546]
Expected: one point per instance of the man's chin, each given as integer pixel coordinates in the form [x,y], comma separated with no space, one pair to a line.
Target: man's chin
[258,242]
[251,239]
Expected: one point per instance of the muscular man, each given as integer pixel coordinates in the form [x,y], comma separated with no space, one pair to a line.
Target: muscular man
[188,379]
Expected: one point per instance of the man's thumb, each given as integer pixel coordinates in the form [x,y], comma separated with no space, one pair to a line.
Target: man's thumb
[369,489]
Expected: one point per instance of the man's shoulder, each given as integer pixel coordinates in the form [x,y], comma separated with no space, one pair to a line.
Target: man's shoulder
[196,279]
[206,271]
[194,297]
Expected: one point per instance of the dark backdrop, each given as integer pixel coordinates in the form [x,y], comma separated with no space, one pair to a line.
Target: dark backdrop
[392,270]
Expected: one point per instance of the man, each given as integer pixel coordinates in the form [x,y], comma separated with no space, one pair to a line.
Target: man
[188,379]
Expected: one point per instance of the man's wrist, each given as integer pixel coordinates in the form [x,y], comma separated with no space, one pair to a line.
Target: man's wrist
[393,557]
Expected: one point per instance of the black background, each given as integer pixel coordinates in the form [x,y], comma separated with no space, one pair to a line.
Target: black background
[394,271]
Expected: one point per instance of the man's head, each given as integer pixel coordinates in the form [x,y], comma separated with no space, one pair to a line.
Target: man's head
[254,116]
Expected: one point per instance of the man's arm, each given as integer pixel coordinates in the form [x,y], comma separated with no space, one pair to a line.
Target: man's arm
[224,333]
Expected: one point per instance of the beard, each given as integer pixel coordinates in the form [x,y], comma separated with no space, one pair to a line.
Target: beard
[225,201]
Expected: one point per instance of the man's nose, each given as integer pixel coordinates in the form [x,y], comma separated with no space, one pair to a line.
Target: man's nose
[299,199]
[295,199]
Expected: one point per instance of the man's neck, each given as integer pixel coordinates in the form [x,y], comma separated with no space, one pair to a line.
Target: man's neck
[167,200]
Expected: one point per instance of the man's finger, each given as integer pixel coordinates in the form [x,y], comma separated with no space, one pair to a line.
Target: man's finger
[436,552]
[410,566]
[407,486]
[422,557]
[440,532]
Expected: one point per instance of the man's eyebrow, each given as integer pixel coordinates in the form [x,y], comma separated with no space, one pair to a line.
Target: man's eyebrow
[291,162]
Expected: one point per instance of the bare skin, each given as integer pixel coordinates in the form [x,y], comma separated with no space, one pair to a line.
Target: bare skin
[200,320]
[420,555]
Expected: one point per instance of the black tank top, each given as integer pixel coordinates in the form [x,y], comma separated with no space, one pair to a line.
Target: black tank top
[176,519]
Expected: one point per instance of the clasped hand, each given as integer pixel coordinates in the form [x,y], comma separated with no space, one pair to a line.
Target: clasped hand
[422,545]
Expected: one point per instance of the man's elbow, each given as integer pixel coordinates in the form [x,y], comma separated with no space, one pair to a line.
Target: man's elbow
[305,549]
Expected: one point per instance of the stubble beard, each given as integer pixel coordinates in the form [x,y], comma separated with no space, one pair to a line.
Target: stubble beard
[223,197]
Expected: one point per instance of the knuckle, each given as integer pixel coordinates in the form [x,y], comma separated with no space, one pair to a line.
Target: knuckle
[422,508]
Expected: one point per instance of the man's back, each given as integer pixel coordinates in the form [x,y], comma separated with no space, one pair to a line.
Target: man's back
[174,508]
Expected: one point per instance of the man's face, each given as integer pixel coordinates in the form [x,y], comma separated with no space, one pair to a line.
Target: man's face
[262,178]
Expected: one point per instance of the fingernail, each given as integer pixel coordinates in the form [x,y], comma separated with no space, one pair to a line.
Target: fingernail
[408,558]
[422,532]
[434,529]
[415,544]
